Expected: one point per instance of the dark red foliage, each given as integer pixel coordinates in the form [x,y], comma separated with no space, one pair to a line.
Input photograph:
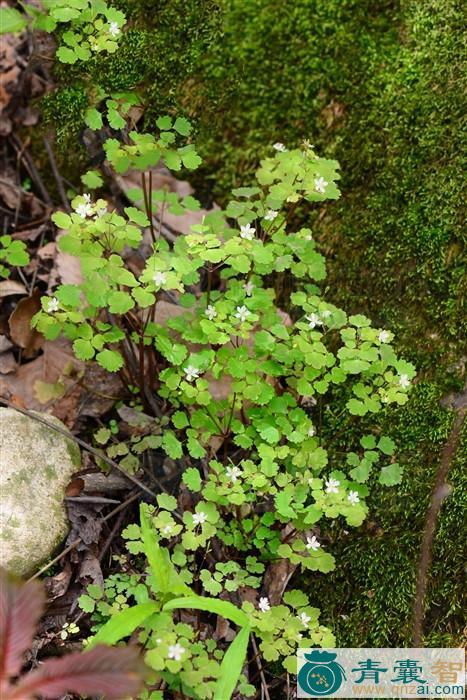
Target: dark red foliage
[101,672]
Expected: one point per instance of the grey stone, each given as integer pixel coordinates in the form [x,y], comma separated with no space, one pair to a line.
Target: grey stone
[36,464]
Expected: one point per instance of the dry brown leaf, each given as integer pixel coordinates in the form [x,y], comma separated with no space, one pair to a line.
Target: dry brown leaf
[5,343]
[47,251]
[100,390]
[10,287]
[56,586]
[7,363]
[14,197]
[90,570]
[10,192]
[68,266]
[9,68]
[20,325]
[276,579]
[75,487]
[30,234]
[47,368]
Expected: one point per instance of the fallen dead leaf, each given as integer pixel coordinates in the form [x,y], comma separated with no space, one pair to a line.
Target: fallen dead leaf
[56,586]
[9,68]
[20,325]
[75,487]
[10,192]
[85,523]
[30,234]
[90,570]
[46,368]
[68,266]
[276,579]
[10,287]
[5,343]
[7,363]
[47,251]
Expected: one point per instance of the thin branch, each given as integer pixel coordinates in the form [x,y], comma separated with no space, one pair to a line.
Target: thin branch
[76,542]
[441,489]
[264,685]
[57,176]
[31,168]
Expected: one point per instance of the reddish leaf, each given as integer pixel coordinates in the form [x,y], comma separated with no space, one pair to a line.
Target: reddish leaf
[21,606]
[113,673]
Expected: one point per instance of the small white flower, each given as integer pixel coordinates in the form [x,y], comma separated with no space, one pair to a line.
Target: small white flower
[167,529]
[332,485]
[312,543]
[311,431]
[191,373]
[384,337]
[320,185]
[114,29]
[242,313]
[326,313]
[404,381]
[158,640]
[308,237]
[233,473]
[84,210]
[87,198]
[53,305]
[314,320]
[304,618]
[247,232]
[307,144]
[270,215]
[210,312]
[248,287]
[159,278]
[199,518]
[176,652]
[279,147]
[353,498]
[264,605]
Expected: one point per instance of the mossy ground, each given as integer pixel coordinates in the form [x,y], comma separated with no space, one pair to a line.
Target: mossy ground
[377,85]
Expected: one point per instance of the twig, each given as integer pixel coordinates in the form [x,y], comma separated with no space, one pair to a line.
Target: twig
[57,176]
[440,491]
[32,170]
[260,667]
[112,534]
[76,542]
[82,444]
[90,499]
[36,269]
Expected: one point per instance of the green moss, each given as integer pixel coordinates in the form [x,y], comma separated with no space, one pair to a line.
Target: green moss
[369,597]
[64,109]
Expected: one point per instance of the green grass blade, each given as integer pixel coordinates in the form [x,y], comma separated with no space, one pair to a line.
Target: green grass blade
[212,605]
[123,624]
[232,664]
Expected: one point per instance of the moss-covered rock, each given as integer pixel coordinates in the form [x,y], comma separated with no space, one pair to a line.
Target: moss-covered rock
[36,465]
